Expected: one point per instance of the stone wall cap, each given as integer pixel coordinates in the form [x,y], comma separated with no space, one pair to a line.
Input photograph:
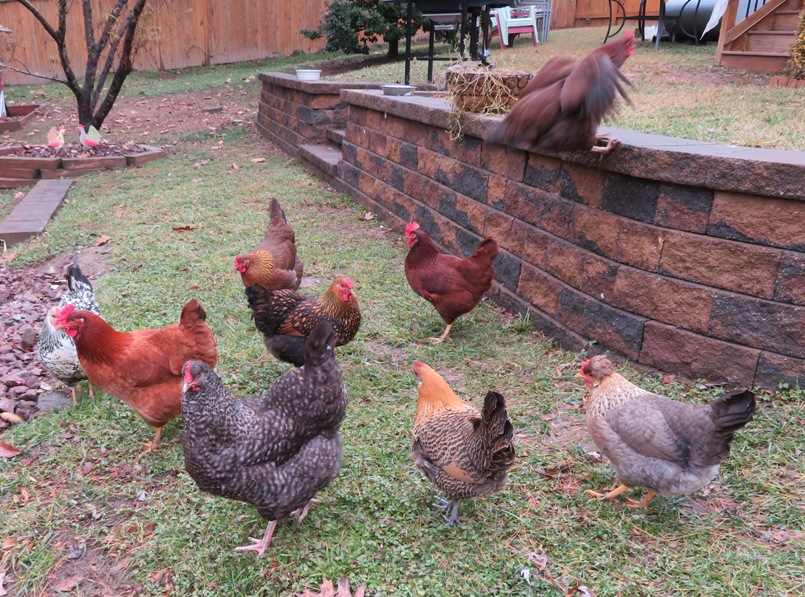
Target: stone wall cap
[770,172]
[320,86]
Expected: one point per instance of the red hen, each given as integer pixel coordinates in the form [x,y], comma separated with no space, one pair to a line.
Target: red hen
[452,285]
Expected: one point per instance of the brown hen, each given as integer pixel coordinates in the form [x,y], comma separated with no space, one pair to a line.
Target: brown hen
[452,285]
[142,367]
[286,317]
[562,106]
[466,454]
[273,263]
[669,447]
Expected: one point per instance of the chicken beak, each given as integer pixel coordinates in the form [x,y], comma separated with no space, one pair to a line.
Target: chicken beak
[579,375]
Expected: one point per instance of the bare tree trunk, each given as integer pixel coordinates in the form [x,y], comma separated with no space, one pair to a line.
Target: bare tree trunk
[119,25]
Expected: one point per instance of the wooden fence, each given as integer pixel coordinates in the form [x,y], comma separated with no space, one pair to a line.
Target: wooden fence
[172,33]
[182,33]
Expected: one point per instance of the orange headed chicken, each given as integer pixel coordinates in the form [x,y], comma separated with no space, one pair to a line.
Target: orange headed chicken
[562,106]
[286,317]
[466,454]
[669,447]
[143,367]
[452,285]
[273,263]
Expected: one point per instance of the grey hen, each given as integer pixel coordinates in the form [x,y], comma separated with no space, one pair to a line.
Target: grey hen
[55,349]
[273,451]
[669,447]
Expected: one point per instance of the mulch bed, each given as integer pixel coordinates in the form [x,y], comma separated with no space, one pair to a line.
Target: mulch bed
[74,149]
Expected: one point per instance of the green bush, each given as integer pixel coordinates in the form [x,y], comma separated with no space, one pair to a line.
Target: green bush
[344,19]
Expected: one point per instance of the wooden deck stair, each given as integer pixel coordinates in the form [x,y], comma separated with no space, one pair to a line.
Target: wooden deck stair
[762,41]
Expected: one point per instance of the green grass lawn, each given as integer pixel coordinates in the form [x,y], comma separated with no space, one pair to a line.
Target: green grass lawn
[84,481]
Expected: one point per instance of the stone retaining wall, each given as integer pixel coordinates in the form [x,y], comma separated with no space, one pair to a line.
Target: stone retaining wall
[686,256]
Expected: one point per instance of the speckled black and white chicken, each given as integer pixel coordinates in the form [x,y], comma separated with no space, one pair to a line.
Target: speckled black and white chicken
[466,454]
[668,447]
[55,349]
[273,451]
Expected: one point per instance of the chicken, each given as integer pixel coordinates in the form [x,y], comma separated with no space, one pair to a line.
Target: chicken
[466,454]
[452,285]
[273,451]
[668,447]
[562,106]
[273,264]
[286,317]
[55,349]
[143,367]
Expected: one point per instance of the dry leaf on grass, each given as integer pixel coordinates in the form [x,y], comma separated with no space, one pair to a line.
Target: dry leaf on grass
[18,196]
[182,228]
[367,216]
[68,584]
[102,241]
[258,160]
[8,451]
[235,167]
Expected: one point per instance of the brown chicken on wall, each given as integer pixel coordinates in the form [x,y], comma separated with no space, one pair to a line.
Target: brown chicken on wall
[286,317]
[668,447]
[142,367]
[562,106]
[273,263]
[466,454]
[452,285]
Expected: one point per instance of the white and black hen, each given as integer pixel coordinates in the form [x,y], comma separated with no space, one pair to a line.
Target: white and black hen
[273,451]
[55,349]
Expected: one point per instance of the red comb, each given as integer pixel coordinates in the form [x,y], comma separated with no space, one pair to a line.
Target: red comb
[188,376]
[411,227]
[348,282]
[64,312]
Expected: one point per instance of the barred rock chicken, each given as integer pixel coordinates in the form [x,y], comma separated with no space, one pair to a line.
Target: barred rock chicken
[143,367]
[273,263]
[273,451]
[452,285]
[55,349]
[562,106]
[669,447]
[286,317]
[466,454]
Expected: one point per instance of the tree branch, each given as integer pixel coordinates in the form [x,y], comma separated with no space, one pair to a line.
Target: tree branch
[25,71]
[110,56]
[39,17]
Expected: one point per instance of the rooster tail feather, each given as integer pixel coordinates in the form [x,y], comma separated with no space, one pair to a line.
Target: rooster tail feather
[733,410]
[277,213]
[192,313]
[75,277]
[319,345]
[487,249]
[499,430]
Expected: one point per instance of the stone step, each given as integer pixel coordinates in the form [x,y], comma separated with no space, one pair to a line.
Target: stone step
[33,212]
[324,157]
[336,135]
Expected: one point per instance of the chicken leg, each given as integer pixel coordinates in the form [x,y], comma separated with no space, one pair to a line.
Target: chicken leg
[604,144]
[441,338]
[630,503]
[151,446]
[260,545]
[301,513]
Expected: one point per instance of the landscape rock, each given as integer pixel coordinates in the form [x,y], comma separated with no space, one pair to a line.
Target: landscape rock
[54,401]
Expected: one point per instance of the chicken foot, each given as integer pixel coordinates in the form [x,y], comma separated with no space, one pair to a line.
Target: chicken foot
[604,144]
[446,505]
[301,513]
[611,495]
[151,446]
[630,503]
[260,545]
[441,338]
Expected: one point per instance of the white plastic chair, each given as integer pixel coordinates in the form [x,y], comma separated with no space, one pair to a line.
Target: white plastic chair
[510,21]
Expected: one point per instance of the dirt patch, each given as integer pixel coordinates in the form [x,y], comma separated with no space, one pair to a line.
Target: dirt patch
[76,150]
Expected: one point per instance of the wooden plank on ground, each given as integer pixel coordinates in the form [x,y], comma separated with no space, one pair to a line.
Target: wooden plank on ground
[30,216]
